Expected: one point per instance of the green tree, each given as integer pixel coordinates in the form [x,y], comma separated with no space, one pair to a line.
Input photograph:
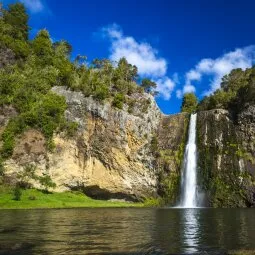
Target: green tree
[118,100]
[148,85]
[125,71]
[42,47]
[17,193]
[17,17]
[65,46]
[47,182]
[189,103]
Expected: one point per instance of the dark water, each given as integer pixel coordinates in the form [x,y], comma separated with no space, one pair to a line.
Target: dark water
[126,231]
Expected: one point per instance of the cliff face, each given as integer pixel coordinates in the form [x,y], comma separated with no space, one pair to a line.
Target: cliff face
[138,154]
[111,155]
[226,145]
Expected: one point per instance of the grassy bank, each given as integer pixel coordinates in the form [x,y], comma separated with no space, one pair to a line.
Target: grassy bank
[32,198]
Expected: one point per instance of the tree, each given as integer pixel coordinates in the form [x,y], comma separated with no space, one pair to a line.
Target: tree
[17,193]
[148,85]
[63,47]
[125,71]
[118,100]
[189,103]
[47,182]
[42,47]
[17,17]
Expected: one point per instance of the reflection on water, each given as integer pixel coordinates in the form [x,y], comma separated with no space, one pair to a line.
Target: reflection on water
[126,231]
[190,230]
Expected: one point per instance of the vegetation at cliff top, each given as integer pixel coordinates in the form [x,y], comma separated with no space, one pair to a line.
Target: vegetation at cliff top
[189,103]
[236,92]
[32,198]
[30,68]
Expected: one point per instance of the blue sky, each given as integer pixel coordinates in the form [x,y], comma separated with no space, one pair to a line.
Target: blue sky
[185,46]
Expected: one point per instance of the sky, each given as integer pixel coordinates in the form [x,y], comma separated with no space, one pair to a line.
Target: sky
[183,45]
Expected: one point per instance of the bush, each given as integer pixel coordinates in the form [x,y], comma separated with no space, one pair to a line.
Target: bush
[101,92]
[189,103]
[118,101]
[153,202]
[71,128]
[46,182]
[17,193]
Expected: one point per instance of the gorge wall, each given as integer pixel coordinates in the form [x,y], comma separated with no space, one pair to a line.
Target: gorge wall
[115,154]
[136,155]
[226,144]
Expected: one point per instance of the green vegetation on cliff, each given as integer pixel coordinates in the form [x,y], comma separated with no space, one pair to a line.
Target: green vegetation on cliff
[30,68]
[237,91]
[189,103]
[38,65]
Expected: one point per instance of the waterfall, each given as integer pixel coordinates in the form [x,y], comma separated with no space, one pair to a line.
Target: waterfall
[189,196]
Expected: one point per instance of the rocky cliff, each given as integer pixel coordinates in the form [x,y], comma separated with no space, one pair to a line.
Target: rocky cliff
[226,144]
[115,154]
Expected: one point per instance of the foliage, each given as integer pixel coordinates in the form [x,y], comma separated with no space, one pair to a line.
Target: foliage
[17,193]
[118,100]
[17,18]
[39,65]
[148,85]
[46,182]
[189,103]
[236,91]
[153,202]
[26,176]
[71,128]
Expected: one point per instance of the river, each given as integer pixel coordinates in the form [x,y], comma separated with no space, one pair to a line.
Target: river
[126,231]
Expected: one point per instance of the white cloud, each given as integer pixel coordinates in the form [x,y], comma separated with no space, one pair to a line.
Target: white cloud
[217,68]
[188,88]
[33,5]
[140,54]
[165,87]
[193,75]
[179,93]
[143,55]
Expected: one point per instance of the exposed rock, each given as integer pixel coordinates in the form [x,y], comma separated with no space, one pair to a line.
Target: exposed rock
[227,156]
[110,157]
[171,135]
[31,147]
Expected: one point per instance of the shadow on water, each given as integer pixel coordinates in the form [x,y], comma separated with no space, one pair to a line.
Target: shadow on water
[126,231]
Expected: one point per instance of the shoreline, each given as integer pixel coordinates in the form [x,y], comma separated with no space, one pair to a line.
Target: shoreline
[36,199]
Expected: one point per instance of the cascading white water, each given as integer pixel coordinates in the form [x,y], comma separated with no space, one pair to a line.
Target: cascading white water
[189,175]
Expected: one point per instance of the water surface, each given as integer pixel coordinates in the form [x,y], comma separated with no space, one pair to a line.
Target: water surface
[126,231]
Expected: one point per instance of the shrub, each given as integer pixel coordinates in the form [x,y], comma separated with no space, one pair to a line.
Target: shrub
[101,92]
[118,101]
[153,202]
[131,105]
[189,103]
[46,182]
[71,128]
[17,193]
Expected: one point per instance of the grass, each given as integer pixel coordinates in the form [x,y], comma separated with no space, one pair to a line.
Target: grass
[32,198]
